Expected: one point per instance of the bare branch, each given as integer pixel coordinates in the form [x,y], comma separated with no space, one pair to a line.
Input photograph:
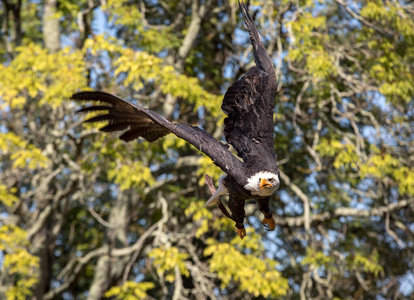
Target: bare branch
[306,202]
[344,212]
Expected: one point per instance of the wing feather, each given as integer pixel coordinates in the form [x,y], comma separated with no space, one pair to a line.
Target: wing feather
[114,127]
[94,108]
[249,105]
[249,102]
[99,118]
[122,115]
[261,56]
[140,122]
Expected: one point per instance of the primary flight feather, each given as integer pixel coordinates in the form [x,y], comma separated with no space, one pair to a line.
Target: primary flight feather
[249,105]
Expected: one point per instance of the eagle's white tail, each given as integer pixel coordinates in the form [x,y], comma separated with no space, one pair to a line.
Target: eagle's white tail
[221,190]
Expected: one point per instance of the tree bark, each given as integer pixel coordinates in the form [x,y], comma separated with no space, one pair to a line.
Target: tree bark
[110,269]
[51,26]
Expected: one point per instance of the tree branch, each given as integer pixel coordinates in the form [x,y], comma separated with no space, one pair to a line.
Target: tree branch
[306,202]
[344,212]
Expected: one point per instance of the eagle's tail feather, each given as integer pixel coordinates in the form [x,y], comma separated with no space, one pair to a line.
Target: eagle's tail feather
[221,190]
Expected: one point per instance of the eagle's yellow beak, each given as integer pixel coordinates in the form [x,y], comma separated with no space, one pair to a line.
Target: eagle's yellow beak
[264,183]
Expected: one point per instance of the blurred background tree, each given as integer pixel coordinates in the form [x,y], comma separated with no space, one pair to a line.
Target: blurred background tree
[86,216]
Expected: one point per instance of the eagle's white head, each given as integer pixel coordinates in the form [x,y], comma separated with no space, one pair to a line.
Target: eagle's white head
[263,183]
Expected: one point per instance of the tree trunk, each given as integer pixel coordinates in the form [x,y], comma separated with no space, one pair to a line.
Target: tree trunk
[51,26]
[110,269]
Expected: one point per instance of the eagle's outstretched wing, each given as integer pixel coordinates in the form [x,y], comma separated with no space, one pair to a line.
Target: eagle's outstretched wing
[249,102]
[141,122]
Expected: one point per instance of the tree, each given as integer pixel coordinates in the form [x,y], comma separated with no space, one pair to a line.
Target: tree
[86,216]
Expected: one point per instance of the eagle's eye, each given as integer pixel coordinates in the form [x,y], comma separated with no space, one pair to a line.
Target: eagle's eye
[271,179]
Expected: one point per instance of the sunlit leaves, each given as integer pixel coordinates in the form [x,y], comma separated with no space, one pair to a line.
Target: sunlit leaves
[344,153]
[317,259]
[23,265]
[308,45]
[118,160]
[395,56]
[12,237]
[130,174]
[207,167]
[382,165]
[7,196]
[129,16]
[306,23]
[405,177]
[23,154]
[320,261]
[201,215]
[255,275]
[47,77]
[320,64]
[167,259]
[393,72]
[18,262]
[130,291]
[379,165]
[171,142]
[369,264]
[139,68]
[101,43]
[189,88]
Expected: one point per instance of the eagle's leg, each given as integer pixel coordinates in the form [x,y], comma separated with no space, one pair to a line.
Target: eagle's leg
[268,221]
[238,214]
[241,232]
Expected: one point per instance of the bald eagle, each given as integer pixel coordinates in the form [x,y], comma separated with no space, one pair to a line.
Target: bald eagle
[249,105]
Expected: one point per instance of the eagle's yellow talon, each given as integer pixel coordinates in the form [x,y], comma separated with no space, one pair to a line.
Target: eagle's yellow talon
[241,232]
[269,224]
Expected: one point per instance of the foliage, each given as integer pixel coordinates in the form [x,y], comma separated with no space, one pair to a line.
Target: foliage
[152,70]
[21,153]
[392,69]
[130,290]
[18,263]
[256,275]
[7,196]
[167,259]
[50,77]
[140,177]
[201,215]
[344,153]
[84,215]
